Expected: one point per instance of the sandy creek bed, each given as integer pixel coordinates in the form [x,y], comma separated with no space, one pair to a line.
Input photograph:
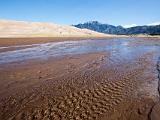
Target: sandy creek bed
[113,79]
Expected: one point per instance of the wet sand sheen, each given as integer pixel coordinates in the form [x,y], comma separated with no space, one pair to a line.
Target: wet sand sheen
[116,82]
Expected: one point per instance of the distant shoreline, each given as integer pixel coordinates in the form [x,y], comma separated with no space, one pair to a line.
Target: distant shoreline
[39,40]
[11,41]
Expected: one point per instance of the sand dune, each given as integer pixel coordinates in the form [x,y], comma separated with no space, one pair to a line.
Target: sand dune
[10,28]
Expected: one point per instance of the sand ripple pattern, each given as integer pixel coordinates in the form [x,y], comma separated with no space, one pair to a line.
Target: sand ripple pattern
[87,104]
[107,90]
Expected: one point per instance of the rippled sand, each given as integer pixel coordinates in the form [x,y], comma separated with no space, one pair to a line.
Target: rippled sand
[88,86]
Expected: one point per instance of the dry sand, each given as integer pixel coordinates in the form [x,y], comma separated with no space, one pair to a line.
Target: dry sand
[10,28]
[79,87]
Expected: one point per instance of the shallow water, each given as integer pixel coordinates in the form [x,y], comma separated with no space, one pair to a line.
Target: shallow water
[122,47]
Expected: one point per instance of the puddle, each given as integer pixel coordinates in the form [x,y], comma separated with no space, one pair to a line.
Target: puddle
[121,47]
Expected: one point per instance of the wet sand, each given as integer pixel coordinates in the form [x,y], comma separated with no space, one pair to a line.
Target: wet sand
[39,40]
[117,83]
[9,44]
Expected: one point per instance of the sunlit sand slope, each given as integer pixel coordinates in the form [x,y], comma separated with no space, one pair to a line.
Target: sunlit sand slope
[10,28]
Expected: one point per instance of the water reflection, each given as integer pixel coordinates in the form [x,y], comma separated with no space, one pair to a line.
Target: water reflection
[119,46]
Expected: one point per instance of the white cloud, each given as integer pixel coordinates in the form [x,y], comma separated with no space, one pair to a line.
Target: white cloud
[128,26]
[155,23]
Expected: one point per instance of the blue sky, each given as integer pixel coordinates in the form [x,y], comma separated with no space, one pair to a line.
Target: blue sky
[116,12]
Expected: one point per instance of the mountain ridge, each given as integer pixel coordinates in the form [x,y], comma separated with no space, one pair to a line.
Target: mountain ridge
[119,30]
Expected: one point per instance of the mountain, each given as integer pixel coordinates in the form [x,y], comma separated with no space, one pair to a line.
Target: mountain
[10,28]
[103,28]
[111,29]
[150,30]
